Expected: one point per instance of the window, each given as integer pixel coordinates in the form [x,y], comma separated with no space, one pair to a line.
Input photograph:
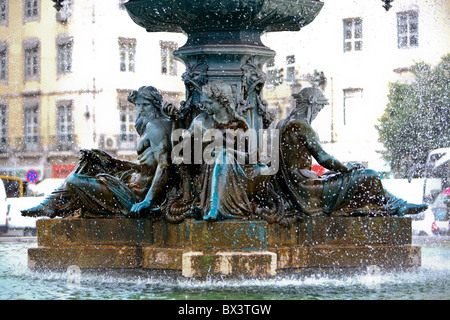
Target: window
[352,34]
[168,64]
[3,12]
[65,136]
[3,61]
[128,137]
[65,12]
[274,75]
[31,127]
[352,104]
[64,60]
[408,29]
[3,128]
[31,10]
[290,59]
[127,52]
[31,57]
[290,68]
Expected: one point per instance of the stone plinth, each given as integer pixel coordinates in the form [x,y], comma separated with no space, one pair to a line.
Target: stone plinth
[342,242]
[67,232]
[226,248]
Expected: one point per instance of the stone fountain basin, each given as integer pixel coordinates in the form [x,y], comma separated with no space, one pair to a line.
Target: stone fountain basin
[193,15]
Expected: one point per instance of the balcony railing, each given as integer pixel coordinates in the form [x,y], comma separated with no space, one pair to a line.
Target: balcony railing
[28,144]
[65,143]
[38,144]
[62,143]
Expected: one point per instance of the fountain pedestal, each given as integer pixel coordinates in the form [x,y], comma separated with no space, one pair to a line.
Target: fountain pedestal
[228,248]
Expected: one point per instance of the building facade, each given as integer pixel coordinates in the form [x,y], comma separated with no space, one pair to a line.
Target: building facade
[65,76]
[64,81]
[357,48]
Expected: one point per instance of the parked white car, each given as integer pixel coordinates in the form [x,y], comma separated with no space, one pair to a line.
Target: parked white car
[422,223]
[45,187]
[433,221]
[16,222]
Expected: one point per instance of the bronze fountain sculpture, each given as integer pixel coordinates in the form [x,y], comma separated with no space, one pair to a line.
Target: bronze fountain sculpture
[228,189]
[203,195]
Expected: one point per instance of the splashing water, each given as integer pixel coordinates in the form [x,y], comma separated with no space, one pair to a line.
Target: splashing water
[430,281]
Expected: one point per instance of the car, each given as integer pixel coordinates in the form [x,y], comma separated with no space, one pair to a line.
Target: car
[441,212]
[46,186]
[16,222]
[422,225]
[440,228]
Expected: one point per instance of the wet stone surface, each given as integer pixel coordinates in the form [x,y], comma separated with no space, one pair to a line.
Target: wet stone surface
[253,248]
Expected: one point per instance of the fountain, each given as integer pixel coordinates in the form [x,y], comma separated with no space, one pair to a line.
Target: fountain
[223,210]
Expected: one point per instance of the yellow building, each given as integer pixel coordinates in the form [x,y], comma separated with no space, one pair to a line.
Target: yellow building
[65,77]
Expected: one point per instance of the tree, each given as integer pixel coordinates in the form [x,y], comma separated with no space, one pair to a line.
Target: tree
[417,117]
